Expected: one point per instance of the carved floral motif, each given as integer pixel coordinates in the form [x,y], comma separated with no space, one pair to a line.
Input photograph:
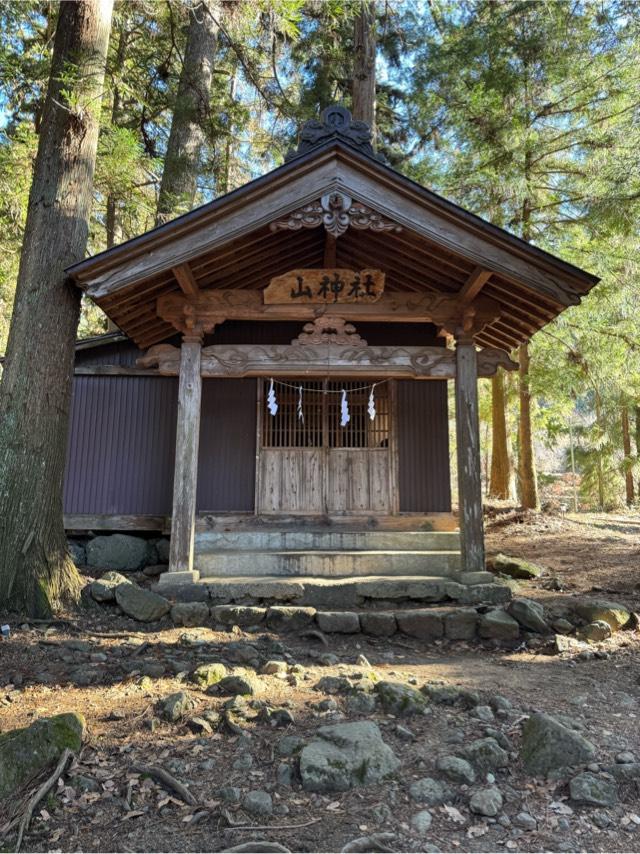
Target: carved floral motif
[336,211]
[329,330]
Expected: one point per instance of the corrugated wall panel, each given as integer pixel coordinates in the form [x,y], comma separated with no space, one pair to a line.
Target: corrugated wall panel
[423,446]
[121,446]
[227,460]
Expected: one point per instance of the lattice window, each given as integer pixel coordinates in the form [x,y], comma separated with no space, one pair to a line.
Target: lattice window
[321,405]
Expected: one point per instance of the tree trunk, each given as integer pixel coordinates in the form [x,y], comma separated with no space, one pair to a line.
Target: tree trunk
[636,415]
[628,461]
[500,479]
[526,459]
[36,573]
[363,91]
[191,110]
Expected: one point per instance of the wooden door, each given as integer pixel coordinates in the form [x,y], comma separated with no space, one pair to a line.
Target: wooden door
[316,466]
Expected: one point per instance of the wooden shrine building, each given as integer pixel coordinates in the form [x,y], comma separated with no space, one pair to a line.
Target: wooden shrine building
[285,351]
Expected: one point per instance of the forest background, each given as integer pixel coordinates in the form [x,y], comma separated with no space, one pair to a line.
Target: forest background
[526,113]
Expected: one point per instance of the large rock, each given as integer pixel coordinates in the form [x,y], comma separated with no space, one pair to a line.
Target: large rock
[399,699]
[548,746]
[340,622]
[613,613]
[498,624]
[24,753]
[421,623]
[529,614]
[515,567]
[344,756]
[77,552]
[120,551]
[289,618]
[238,615]
[143,605]
[456,770]
[588,788]
[190,614]
[175,706]
[104,588]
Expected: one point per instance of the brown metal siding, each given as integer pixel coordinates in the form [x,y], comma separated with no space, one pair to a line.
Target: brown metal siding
[227,458]
[121,446]
[423,446]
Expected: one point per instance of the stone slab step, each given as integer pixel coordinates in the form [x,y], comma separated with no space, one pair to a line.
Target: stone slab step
[337,564]
[215,541]
[340,593]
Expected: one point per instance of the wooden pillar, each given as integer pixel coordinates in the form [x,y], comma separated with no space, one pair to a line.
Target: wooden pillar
[468,454]
[185,479]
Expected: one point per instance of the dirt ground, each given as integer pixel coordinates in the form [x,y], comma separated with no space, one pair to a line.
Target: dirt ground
[112,807]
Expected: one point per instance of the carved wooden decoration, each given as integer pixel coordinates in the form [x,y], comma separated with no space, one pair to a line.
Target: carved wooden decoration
[336,211]
[335,123]
[329,330]
[294,360]
[332,285]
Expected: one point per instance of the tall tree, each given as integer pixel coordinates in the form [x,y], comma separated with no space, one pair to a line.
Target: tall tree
[36,572]
[190,113]
[363,86]
[500,476]
[527,478]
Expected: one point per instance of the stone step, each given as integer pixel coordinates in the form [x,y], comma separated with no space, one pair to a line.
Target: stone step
[341,593]
[267,540]
[334,564]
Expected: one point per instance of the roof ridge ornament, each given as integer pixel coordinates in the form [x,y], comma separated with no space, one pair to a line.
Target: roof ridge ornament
[336,211]
[335,122]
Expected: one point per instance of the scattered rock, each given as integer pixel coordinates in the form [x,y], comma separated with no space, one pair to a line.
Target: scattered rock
[548,745]
[456,770]
[284,774]
[175,706]
[594,632]
[613,613]
[77,552]
[529,614]
[242,683]
[360,703]
[483,713]
[154,570]
[399,699]
[515,567]
[450,695]
[485,754]
[143,605]
[562,626]
[525,821]
[589,788]
[104,588]
[275,668]
[625,758]
[486,802]
[421,821]
[230,794]
[624,773]
[120,551]
[200,725]
[334,685]
[190,614]
[209,674]
[429,791]
[289,745]
[563,643]
[344,756]
[498,624]
[339,622]
[24,753]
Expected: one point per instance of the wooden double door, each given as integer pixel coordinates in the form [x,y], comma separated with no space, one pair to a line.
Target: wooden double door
[315,465]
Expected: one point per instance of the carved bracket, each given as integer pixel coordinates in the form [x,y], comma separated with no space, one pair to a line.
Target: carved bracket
[335,123]
[336,211]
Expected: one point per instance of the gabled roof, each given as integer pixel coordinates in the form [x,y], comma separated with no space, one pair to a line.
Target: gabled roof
[228,243]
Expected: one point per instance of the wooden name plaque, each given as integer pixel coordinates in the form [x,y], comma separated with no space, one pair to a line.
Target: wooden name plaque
[325,286]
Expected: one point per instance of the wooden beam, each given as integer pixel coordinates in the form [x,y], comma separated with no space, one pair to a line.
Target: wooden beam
[186,279]
[473,285]
[185,479]
[310,360]
[468,455]
[330,250]
[104,522]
